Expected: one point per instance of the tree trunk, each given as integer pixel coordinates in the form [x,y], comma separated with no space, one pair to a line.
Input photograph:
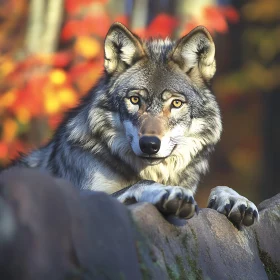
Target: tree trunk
[44,23]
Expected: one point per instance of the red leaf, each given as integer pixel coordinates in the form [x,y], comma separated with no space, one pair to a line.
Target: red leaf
[122,19]
[97,24]
[215,19]
[70,29]
[79,69]
[230,13]
[16,148]
[3,150]
[73,6]
[61,59]
[163,25]
[30,97]
[54,121]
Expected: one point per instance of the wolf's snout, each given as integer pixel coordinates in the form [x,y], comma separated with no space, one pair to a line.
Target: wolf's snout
[149,144]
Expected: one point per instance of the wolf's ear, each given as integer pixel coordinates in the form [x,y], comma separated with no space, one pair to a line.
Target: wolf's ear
[195,54]
[122,49]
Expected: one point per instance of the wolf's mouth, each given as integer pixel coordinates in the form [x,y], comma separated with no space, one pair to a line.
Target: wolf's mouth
[153,160]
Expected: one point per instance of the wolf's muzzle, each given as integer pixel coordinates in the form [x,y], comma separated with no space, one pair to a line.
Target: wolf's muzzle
[149,144]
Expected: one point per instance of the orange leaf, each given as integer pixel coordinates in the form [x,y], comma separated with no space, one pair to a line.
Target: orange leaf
[7,66]
[9,130]
[67,97]
[23,115]
[87,47]
[8,99]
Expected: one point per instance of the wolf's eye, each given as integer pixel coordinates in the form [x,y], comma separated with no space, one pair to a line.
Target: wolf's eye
[177,103]
[134,100]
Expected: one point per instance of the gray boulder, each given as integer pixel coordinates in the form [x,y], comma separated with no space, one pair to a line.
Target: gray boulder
[49,231]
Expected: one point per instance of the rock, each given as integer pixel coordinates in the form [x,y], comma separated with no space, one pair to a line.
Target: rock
[207,246]
[267,235]
[49,231]
[58,235]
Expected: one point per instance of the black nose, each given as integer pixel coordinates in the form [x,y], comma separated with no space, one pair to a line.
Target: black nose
[149,144]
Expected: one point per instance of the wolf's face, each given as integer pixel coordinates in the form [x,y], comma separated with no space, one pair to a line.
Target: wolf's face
[155,112]
[160,89]
[153,127]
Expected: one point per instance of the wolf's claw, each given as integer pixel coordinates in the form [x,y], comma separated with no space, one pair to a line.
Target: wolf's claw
[237,208]
[168,200]
[177,201]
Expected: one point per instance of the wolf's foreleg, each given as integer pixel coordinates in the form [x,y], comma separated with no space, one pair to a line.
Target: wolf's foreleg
[237,208]
[171,200]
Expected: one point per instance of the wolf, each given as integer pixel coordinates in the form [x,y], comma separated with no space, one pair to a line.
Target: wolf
[145,131]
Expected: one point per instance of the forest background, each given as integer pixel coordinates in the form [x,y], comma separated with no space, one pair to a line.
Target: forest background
[51,54]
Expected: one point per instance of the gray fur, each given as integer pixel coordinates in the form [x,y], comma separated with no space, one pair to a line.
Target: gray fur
[96,145]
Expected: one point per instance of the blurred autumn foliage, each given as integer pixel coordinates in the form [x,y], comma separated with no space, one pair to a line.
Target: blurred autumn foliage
[38,85]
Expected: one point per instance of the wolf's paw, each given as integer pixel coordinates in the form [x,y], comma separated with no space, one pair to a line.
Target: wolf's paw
[168,199]
[176,201]
[237,208]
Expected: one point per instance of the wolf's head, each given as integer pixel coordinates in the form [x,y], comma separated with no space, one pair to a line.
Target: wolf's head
[161,90]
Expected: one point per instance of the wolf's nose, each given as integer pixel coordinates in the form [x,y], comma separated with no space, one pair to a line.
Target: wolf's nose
[149,144]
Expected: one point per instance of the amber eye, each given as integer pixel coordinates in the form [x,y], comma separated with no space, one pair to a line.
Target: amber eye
[177,103]
[134,100]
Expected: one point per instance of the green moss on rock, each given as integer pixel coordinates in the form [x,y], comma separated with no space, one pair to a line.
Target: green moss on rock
[272,271]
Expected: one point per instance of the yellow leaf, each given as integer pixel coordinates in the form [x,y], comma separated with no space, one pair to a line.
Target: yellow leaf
[9,130]
[58,77]
[52,105]
[87,47]
[67,97]
[8,98]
